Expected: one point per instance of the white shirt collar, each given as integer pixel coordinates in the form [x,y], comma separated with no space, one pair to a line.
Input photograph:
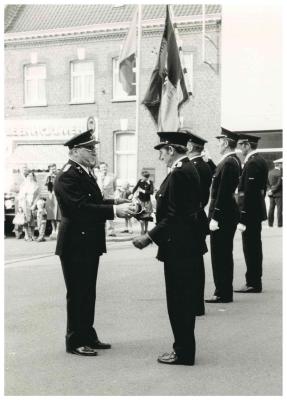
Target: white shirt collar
[84,168]
[249,155]
[226,155]
[175,162]
[193,157]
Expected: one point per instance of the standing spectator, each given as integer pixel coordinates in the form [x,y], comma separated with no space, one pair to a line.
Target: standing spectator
[19,221]
[41,220]
[143,191]
[275,193]
[108,185]
[224,217]
[27,199]
[125,193]
[251,201]
[52,208]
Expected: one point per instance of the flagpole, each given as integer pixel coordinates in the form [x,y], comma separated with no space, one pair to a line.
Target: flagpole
[138,64]
[203,33]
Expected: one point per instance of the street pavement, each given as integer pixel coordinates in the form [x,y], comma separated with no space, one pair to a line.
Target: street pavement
[239,345]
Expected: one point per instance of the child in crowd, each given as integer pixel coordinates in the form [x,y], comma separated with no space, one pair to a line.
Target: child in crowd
[19,221]
[125,193]
[41,220]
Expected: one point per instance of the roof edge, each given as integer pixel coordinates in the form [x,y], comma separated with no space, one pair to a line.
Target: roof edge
[109,27]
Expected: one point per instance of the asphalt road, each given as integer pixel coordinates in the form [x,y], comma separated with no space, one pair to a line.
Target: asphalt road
[239,345]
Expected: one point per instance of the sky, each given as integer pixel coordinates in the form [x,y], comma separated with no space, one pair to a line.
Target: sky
[251,66]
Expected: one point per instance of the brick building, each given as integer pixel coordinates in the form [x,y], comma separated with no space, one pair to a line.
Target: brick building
[61,75]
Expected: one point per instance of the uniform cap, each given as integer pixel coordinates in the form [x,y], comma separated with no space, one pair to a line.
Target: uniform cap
[172,138]
[82,140]
[248,138]
[196,139]
[225,133]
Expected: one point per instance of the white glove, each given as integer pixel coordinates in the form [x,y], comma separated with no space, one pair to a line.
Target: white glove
[213,225]
[241,227]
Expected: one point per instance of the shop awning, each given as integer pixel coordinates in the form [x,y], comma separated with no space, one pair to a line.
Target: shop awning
[38,156]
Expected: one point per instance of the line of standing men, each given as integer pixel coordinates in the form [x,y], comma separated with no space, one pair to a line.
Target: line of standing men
[188,183]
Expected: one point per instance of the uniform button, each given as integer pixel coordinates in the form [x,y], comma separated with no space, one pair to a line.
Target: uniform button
[90,194]
[83,233]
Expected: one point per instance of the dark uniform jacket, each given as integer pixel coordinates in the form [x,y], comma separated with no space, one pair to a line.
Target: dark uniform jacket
[275,182]
[205,175]
[223,206]
[252,190]
[178,229]
[83,210]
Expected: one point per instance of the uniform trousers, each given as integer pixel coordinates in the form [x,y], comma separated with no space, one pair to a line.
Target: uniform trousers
[221,247]
[80,273]
[181,293]
[252,248]
[275,201]
[200,284]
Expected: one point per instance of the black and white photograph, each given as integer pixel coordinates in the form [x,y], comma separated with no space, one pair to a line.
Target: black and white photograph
[142,183]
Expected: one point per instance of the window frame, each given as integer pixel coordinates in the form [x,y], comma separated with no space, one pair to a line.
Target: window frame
[190,81]
[116,134]
[83,100]
[115,74]
[37,103]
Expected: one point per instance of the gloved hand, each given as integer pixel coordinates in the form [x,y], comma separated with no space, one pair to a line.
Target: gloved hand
[241,227]
[213,225]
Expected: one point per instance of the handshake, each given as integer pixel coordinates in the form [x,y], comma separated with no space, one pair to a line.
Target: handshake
[125,208]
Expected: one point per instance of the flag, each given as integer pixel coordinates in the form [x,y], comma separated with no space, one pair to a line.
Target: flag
[167,89]
[127,59]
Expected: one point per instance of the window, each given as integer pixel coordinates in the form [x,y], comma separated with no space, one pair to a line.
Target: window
[82,82]
[118,92]
[125,157]
[188,63]
[35,85]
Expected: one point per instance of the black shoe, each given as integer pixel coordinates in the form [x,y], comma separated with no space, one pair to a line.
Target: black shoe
[173,359]
[83,351]
[200,313]
[249,289]
[100,346]
[217,299]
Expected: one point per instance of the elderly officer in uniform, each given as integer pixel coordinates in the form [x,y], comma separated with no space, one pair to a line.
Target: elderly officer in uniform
[224,217]
[178,234]
[251,199]
[81,240]
[195,147]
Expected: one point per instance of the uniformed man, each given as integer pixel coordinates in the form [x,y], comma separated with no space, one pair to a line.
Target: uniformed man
[195,147]
[224,216]
[251,200]
[178,234]
[275,180]
[81,240]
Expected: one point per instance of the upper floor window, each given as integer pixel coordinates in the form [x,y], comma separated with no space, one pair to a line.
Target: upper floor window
[35,85]
[118,92]
[82,82]
[125,157]
[188,63]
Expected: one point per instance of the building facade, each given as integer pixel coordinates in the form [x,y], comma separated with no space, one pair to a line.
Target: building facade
[61,77]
